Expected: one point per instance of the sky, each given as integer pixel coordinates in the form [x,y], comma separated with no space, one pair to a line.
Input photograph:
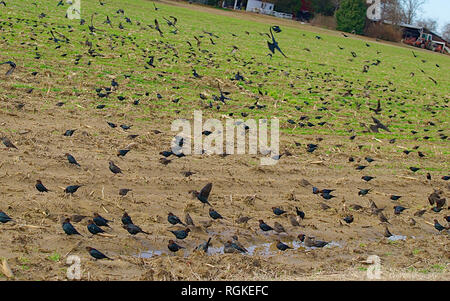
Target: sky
[438,10]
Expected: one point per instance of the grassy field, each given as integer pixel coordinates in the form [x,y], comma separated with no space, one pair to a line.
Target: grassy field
[319,92]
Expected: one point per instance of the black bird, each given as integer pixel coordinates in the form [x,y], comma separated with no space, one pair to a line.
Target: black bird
[12,65]
[125,127]
[367,178]
[387,233]
[438,226]
[40,187]
[360,167]
[203,195]
[281,246]
[8,143]
[181,234]
[157,28]
[150,62]
[278,211]
[72,189]
[68,228]
[195,74]
[97,254]
[327,196]
[112,125]
[114,168]
[363,192]
[300,213]
[395,197]
[414,169]
[126,219]
[214,214]
[93,228]
[173,219]
[379,125]
[69,133]
[399,209]
[274,45]
[348,219]
[71,159]
[445,178]
[124,191]
[263,226]
[4,218]
[172,246]
[133,229]
[100,221]
[377,110]
[122,152]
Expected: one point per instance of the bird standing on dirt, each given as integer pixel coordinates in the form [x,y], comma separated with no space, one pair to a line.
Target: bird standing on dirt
[278,228]
[133,229]
[93,228]
[181,234]
[114,168]
[8,143]
[173,219]
[174,247]
[189,220]
[263,226]
[71,159]
[214,214]
[68,228]
[72,189]
[126,219]
[278,211]
[438,226]
[100,221]
[40,187]
[4,218]
[399,209]
[97,254]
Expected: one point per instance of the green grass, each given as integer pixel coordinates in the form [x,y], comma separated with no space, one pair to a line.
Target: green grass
[310,81]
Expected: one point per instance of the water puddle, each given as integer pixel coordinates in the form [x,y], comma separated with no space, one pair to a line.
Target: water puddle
[397,237]
[264,249]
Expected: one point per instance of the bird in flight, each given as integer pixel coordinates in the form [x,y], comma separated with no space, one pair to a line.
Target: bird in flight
[274,44]
[12,65]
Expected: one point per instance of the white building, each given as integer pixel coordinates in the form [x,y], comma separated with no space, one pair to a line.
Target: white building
[260,7]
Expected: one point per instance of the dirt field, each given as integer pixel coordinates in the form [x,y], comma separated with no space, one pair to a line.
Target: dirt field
[36,248]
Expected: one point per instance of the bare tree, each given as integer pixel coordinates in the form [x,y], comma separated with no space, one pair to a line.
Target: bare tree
[411,8]
[430,24]
[446,32]
[392,11]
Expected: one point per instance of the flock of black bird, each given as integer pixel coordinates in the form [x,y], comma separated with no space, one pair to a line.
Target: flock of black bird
[96,222]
